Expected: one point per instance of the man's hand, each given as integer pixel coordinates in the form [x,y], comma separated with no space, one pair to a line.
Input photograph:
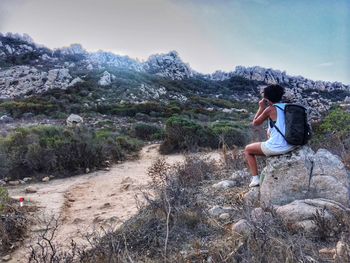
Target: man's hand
[262,103]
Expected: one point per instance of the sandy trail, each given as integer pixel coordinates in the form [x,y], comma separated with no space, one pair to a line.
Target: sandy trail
[97,199]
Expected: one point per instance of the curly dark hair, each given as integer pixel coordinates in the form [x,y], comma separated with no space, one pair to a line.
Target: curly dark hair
[273,93]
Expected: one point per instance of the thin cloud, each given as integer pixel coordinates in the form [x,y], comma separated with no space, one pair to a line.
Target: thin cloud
[326,64]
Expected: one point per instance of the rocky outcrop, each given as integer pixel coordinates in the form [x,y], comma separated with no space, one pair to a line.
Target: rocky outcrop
[303,174]
[272,76]
[168,65]
[106,79]
[21,80]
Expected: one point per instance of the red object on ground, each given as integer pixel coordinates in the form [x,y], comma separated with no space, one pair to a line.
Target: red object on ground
[21,199]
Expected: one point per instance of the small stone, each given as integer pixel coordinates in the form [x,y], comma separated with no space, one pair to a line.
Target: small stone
[87,170]
[242,227]
[71,199]
[106,205]
[14,183]
[342,252]
[327,252]
[2,182]
[46,179]
[107,169]
[27,179]
[6,258]
[218,210]
[31,190]
[224,184]
[224,216]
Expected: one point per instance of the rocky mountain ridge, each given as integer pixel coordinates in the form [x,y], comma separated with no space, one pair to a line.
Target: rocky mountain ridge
[27,68]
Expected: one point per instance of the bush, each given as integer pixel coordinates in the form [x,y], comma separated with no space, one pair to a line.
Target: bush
[230,134]
[184,134]
[4,198]
[129,144]
[333,134]
[54,149]
[145,131]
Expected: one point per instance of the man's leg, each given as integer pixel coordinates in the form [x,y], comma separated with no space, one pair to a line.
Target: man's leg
[250,152]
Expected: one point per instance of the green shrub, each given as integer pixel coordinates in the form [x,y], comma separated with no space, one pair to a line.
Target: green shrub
[4,198]
[62,151]
[146,131]
[230,134]
[18,108]
[129,144]
[184,134]
[337,121]
[333,134]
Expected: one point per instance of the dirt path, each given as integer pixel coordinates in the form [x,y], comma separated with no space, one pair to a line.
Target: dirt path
[97,199]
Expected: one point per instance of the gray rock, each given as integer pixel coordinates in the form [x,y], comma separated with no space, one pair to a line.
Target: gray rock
[74,120]
[6,258]
[329,178]
[224,216]
[242,227]
[286,177]
[106,79]
[5,119]
[300,214]
[46,179]
[303,174]
[27,179]
[224,184]
[218,210]
[31,190]
[342,252]
[14,183]
[2,182]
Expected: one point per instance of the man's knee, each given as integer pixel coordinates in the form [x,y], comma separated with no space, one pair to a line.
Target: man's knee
[247,150]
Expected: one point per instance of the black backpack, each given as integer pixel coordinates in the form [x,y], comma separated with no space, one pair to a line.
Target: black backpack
[298,131]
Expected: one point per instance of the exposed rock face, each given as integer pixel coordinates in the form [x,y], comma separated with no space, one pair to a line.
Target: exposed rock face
[294,86]
[101,59]
[21,80]
[168,65]
[106,79]
[304,175]
[272,76]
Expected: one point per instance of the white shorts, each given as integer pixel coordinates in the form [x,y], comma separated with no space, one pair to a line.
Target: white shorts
[269,152]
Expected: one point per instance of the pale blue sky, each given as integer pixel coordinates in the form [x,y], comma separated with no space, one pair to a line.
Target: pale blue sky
[304,37]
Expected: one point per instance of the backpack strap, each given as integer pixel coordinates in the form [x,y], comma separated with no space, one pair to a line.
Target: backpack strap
[274,125]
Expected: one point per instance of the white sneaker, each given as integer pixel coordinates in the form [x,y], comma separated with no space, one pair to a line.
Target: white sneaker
[255,181]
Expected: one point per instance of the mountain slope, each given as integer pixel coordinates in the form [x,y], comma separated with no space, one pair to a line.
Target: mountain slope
[27,69]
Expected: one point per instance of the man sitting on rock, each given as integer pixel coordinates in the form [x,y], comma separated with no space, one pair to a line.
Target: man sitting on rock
[275,144]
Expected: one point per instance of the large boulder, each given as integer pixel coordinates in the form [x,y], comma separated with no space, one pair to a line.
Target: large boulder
[303,174]
[74,120]
[329,178]
[286,178]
